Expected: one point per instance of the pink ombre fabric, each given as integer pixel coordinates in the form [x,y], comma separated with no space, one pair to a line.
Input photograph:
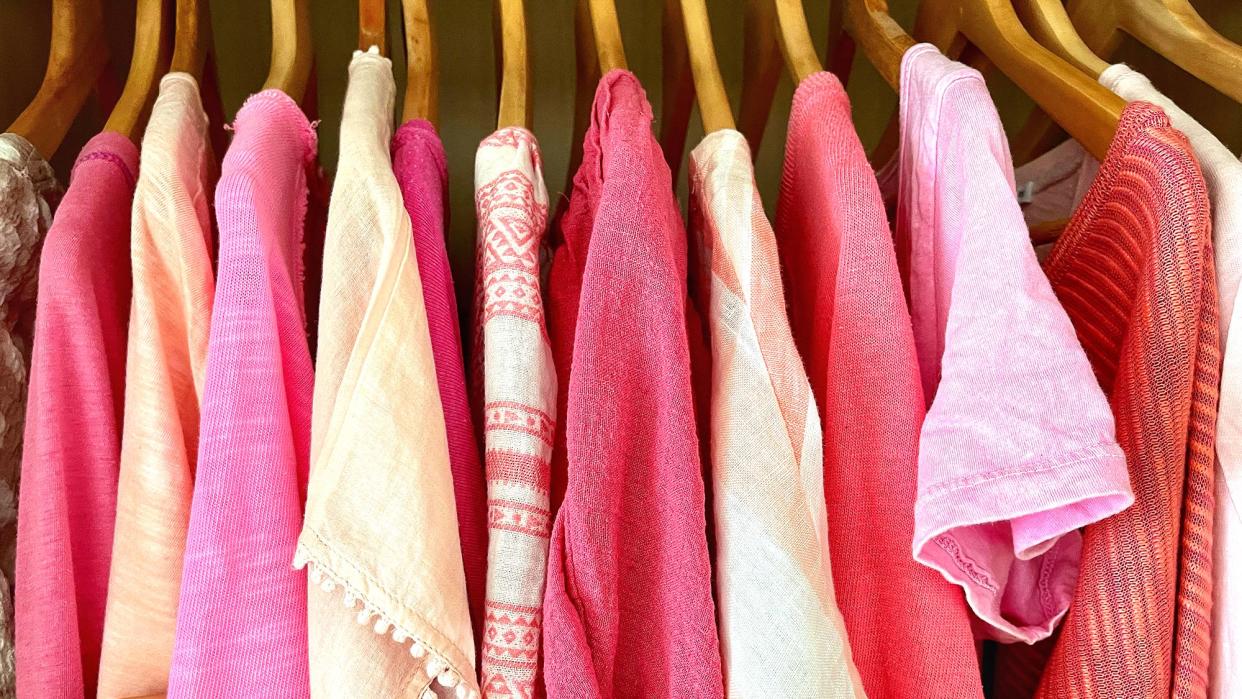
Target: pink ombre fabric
[909,629]
[1018,450]
[628,610]
[73,426]
[241,623]
[418,162]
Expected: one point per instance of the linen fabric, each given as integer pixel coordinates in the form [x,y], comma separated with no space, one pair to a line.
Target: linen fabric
[1133,269]
[628,609]
[1222,172]
[241,616]
[1018,450]
[781,633]
[73,426]
[909,629]
[380,517]
[170,317]
[513,366]
[419,164]
[28,194]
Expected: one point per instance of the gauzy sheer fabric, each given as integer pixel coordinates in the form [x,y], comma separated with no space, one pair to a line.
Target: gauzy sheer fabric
[381,524]
[1134,271]
[73,426]
[1018,450]
[170,317]
[781,633]
[241,618]
[628,609]
[514,370]
[419,164]
[909,629]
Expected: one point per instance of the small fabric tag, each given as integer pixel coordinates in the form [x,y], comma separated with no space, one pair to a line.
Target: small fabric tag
[1026,192]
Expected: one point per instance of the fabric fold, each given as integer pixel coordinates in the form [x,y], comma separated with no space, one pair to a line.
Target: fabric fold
[381,520]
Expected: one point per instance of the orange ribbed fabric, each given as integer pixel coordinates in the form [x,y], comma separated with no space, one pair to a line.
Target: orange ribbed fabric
[1134,271]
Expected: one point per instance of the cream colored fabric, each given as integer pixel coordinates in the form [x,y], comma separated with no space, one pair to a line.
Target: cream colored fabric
[381,522]
[170,317]
[781,633]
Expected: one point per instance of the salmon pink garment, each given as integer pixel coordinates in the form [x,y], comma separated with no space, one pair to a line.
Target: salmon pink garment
[781,633]
[909,629]
[628,609]
[418,162]
[1134,270]
[1018,450]
[513,368]
[241,621]
[73,426]
[170,317]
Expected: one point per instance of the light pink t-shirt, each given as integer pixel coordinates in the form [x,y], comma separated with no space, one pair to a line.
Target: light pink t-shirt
[1018,449]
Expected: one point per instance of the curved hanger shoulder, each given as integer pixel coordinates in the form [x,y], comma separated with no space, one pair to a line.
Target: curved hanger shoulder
[291,48]
[1083,107]
[1050,25]
[78,53]
[192,38]
[422,86]
[883,41]
[514,107]
[145,70]
[1171,28]
[795,40]
[709,87]
[586,75]
[371,25]
[677,86]
[761,69]
[606,30]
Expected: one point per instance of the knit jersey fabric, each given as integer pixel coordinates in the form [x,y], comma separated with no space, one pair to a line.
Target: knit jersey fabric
[766,451]
[1134,271]
[909,629]
[171,254]
[514,372]
[379,467]
[628,609]
[1018,450]
[73,426]
[419,163]
[241,617]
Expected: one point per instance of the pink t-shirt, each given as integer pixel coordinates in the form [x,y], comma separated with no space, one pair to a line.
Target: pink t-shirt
[73,426]
[628,610]
[1018,450]
[241,622]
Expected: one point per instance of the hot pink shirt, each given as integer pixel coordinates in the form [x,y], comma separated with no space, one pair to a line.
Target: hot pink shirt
[1018,450]
[241,622]
[628,609]
[73,421]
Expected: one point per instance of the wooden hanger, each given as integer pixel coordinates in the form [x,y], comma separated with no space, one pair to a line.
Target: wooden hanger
[761,69]
[372,26]
[1171,28]
[794,38]
[597,50]
[76,58]
[606,31]
[422,83]
[883,41]
[514,66]
[291,48]
[192,38]
[1050,25]
[148,65]
[687,39]
[1082,106]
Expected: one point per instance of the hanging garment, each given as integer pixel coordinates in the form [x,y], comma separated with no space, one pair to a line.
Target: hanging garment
[909,629]
[170,316]
[380,514]
[1133,269]
[73,426]
[628,609]
[28,193]
[241,618]
[1018,449]
[1222,172]
[513,368]
[419,164]
[781,633]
